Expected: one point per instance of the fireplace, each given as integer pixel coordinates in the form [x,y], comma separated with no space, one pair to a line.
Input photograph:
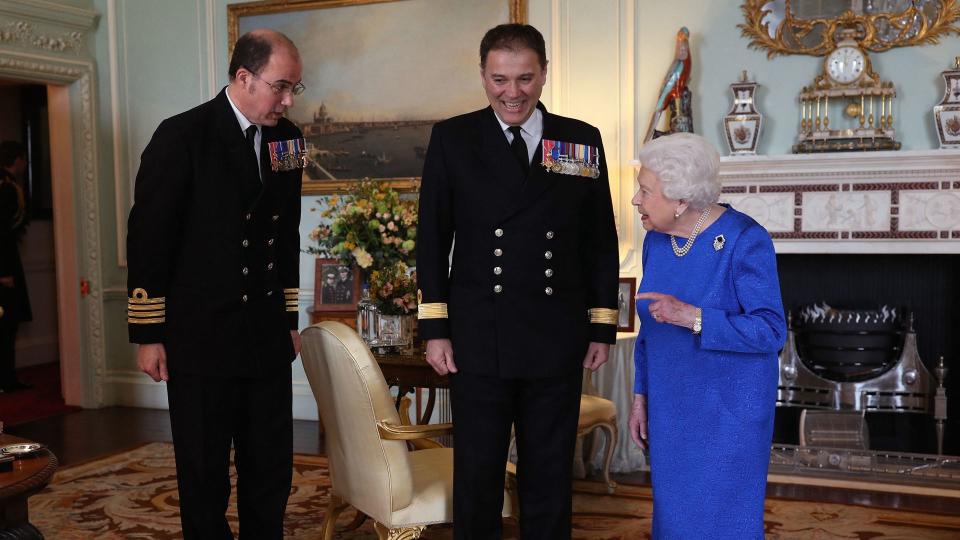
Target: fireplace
[858,231]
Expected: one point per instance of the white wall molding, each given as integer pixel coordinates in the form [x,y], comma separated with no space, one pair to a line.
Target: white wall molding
[52,13]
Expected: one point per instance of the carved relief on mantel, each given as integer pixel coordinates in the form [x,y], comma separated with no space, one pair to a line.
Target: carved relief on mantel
[25,34]
[46,27]
[877,202]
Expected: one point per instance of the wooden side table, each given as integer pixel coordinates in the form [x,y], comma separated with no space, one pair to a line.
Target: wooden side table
[30,474]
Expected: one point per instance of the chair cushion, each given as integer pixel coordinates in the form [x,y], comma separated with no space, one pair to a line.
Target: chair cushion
[595,410]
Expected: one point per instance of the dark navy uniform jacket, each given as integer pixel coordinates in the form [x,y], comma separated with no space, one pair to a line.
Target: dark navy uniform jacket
[213,252]
[14,301]
[535,260]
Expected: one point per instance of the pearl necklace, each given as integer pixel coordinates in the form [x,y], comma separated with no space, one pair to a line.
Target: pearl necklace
[681,251]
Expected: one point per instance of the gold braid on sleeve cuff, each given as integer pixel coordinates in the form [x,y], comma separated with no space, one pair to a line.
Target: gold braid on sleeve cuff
[432,311]
[292,298]
[141,309]
[601,315]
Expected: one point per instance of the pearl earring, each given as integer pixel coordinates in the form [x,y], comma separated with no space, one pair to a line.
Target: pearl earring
[676,214]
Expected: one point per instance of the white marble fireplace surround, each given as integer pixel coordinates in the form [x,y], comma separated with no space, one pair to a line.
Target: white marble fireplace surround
[858,202]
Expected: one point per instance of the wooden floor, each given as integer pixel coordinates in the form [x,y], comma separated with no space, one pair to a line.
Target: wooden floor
[90,434]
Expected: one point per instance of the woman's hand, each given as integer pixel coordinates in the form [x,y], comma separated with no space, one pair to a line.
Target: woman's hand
[665,308]
[638,421]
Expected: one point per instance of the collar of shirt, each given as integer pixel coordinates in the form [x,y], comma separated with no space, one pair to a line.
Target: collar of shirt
[244,124]
[531,130]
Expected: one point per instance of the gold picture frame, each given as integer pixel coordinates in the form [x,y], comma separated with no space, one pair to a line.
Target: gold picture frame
[360,118]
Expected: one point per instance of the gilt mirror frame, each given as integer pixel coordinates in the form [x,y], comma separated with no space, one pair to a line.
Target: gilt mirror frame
[773,25]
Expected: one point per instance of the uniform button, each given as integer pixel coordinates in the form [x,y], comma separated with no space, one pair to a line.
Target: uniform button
[497,288]
[245,270]
[498,233]
[248,216]
[497,270]
[548,255]
[270,266]
[243,298]
[549,235]
[497,252]
[276,217]
[246,243]
[270,242]
[548,290]
[548,272]
[269,293]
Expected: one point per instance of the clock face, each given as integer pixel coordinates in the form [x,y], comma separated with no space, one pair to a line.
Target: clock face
[845,64]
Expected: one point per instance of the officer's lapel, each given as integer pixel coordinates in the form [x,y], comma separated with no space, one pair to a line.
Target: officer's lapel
[539,179]
[504,170]
[241,160]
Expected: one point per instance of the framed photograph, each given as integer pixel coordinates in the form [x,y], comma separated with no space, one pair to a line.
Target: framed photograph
[337,286]
[626,311]
[378,75]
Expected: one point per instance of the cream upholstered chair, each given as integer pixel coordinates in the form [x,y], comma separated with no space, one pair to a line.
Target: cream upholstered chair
[371,468]
[599,413]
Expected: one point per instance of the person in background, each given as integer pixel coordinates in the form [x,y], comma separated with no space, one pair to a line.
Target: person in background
[214,250]
[14,300]
[711,324]
[531,297]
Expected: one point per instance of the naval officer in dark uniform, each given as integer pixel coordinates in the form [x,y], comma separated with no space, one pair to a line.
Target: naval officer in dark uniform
[14,300]
[213,251]
[530,299]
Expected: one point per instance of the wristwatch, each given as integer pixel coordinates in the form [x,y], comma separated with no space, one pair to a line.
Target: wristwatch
[698,322]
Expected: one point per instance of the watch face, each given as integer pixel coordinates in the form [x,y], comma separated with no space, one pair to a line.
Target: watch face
[845,64]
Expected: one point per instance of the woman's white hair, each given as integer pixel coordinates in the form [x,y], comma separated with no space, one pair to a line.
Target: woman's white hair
[687,165]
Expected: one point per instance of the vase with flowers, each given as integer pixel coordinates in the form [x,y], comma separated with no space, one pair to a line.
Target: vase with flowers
[373,227]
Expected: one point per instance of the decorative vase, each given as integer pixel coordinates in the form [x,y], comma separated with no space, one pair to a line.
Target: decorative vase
[946,114]
[743,123]
[382,332]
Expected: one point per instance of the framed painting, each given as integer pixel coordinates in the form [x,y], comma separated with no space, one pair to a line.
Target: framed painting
[626,312]
[336,286]
[378,75]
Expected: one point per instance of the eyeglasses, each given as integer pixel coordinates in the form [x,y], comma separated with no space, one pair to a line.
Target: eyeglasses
[282,87]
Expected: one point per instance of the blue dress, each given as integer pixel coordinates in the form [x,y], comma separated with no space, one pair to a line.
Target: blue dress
[711,398]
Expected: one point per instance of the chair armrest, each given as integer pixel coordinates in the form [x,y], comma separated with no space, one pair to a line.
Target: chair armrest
[396,432]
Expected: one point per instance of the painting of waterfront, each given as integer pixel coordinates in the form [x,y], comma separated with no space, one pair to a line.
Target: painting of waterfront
[378,76]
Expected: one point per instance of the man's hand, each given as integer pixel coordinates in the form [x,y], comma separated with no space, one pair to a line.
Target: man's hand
[152,360]
[597,355]
[638,421]
[7,281]
[440,356]
[295,337]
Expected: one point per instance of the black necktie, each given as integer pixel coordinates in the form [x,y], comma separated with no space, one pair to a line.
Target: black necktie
[519,149]
[251,143]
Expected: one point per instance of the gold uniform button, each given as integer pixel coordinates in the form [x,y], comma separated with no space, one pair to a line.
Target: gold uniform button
[498,233]
[497,288]
[270,242]
[497,252]
[549,235]
[246,243]
[269,293]
[497,270]
[548,290]
[270,266]
[548,272]
[548,255]
[245,270]
[243,298]
[276,217]
[248,216]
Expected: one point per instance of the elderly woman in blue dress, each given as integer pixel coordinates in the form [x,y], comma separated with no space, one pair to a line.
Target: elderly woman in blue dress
[712,322]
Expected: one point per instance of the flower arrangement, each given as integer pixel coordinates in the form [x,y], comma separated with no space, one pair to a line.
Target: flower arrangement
[370,225]
[393,289]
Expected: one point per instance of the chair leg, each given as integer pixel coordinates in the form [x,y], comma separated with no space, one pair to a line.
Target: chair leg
[330,519]
[358,520]
[403,533]
[612,440]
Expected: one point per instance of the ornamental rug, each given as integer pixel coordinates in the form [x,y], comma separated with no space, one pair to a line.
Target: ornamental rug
[133,495]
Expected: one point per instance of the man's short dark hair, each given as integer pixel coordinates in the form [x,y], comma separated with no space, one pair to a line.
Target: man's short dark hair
[252,51]
[513,37]
[10,151]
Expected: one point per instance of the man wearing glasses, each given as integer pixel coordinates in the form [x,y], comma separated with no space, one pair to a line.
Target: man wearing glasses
[213,257]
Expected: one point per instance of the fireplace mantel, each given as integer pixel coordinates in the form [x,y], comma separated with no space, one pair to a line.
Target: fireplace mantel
[859,202]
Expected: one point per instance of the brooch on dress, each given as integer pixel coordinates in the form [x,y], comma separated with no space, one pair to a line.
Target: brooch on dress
[718,242]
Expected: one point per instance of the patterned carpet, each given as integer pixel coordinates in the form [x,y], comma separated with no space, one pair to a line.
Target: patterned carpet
[133,495]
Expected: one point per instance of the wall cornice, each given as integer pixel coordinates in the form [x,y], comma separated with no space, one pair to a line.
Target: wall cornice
[50,13]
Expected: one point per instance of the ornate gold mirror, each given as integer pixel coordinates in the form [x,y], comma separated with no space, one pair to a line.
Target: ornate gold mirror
[813,26]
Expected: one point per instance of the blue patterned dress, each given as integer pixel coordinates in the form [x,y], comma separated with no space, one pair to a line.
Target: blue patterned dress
[711,398]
